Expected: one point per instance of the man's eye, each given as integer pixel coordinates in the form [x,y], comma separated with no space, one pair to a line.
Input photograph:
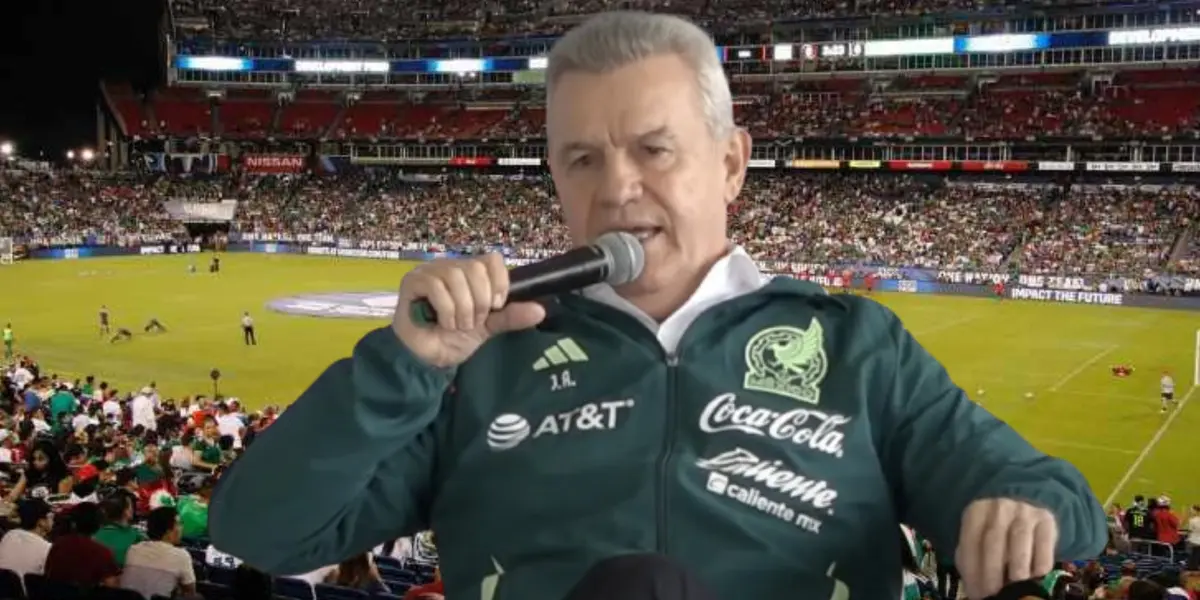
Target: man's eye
[582,161]
[655,150]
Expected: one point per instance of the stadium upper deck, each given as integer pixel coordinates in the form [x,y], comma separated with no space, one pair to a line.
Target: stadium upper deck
[1132,103]
[401,20]
[1005,82]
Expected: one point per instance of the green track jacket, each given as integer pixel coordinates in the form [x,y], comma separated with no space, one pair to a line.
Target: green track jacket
[774,454]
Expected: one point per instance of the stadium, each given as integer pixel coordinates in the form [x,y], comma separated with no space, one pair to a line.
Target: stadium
[1016,180]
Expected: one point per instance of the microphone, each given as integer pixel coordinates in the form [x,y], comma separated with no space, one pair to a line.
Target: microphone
[615,258]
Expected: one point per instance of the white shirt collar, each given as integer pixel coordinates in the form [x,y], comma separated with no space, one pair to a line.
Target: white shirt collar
[736,274]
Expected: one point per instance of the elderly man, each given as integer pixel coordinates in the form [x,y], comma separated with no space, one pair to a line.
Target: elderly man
[766,436]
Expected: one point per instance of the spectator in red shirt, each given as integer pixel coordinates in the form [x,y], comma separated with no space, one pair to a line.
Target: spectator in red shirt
[76,558]
[1166,523]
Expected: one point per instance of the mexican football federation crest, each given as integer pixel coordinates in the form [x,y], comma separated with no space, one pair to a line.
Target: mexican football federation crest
[787,361]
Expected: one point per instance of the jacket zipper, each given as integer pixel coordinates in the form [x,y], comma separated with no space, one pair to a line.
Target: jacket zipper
[664,464]
[671,359]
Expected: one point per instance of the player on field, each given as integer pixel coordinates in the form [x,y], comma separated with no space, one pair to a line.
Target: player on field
[8,341]
[1167,384]
[998,289]
[248,329]
[104,327]
[154,325]
[122,334]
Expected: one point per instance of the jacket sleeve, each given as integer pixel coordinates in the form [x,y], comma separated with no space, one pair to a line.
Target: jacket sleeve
[942,451]
[346,467]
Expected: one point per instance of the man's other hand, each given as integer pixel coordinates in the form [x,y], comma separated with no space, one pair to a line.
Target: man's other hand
[1004,540]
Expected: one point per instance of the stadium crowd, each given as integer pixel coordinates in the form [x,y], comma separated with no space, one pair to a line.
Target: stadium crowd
[100,488]
[793,216]
[361,19]
[1141,103]
[103,488]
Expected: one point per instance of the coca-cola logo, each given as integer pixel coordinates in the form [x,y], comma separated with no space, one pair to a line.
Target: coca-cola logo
[814,429]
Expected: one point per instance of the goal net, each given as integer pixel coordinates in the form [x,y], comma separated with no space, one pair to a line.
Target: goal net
[6,251]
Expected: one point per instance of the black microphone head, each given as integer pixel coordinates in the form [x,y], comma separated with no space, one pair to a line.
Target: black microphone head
[626,257]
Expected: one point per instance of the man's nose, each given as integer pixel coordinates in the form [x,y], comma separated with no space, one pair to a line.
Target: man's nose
[622,180]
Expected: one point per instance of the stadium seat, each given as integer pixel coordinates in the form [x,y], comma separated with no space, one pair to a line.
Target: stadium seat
[289,587]
[390,570]
[213,591]
[333,592]
[10,585]
[200,570]
[107,593]
[221,575]
[38,587]
[387,562]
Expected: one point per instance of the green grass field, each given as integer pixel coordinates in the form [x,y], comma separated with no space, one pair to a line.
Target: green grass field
[1110,428]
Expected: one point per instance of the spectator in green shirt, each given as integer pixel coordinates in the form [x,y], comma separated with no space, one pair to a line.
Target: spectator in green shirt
[205,451]
[118,533]
[63,402]
[89,386]
[193,511]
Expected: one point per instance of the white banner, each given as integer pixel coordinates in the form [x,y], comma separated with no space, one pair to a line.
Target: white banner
[1123,167]
[353,252]
[1066,296]
[1055,165]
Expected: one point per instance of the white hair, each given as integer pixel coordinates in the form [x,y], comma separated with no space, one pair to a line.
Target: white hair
[613,40]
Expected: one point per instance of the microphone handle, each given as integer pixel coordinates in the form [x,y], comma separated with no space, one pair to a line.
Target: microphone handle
[566,272]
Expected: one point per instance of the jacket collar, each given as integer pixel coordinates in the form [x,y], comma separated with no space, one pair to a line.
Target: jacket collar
[736,274]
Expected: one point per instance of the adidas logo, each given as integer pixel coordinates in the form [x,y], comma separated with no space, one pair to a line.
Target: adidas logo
[562,352]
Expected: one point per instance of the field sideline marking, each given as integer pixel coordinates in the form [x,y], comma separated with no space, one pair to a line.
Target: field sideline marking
[1121,397]
[1162,429]
[1091,361]
[947,325]
[1082,446]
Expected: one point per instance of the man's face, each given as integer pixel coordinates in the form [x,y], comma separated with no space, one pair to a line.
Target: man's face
[631,150]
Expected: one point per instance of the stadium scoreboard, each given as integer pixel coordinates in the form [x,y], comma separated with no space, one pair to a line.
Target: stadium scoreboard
[932,46]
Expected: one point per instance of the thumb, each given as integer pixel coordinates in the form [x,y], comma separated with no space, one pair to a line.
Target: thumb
[516,316]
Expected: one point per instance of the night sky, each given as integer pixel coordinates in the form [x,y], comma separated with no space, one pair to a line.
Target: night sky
[54,53]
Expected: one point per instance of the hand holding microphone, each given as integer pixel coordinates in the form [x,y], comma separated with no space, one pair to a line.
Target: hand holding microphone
[447,309]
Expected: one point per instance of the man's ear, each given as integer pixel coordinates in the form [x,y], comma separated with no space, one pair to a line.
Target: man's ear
[736,159]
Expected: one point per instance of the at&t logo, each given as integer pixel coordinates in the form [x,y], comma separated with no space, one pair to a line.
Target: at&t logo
[508,430]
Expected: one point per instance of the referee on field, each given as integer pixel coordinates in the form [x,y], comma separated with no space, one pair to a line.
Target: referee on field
[248,329]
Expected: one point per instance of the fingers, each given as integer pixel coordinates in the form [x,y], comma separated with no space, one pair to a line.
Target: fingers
[517,316]
[435,291]
[462,316]
[1045,543]
[967,556]
[481,289]
[1004,541]
[498,275]
[462,292]
[1020,550]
